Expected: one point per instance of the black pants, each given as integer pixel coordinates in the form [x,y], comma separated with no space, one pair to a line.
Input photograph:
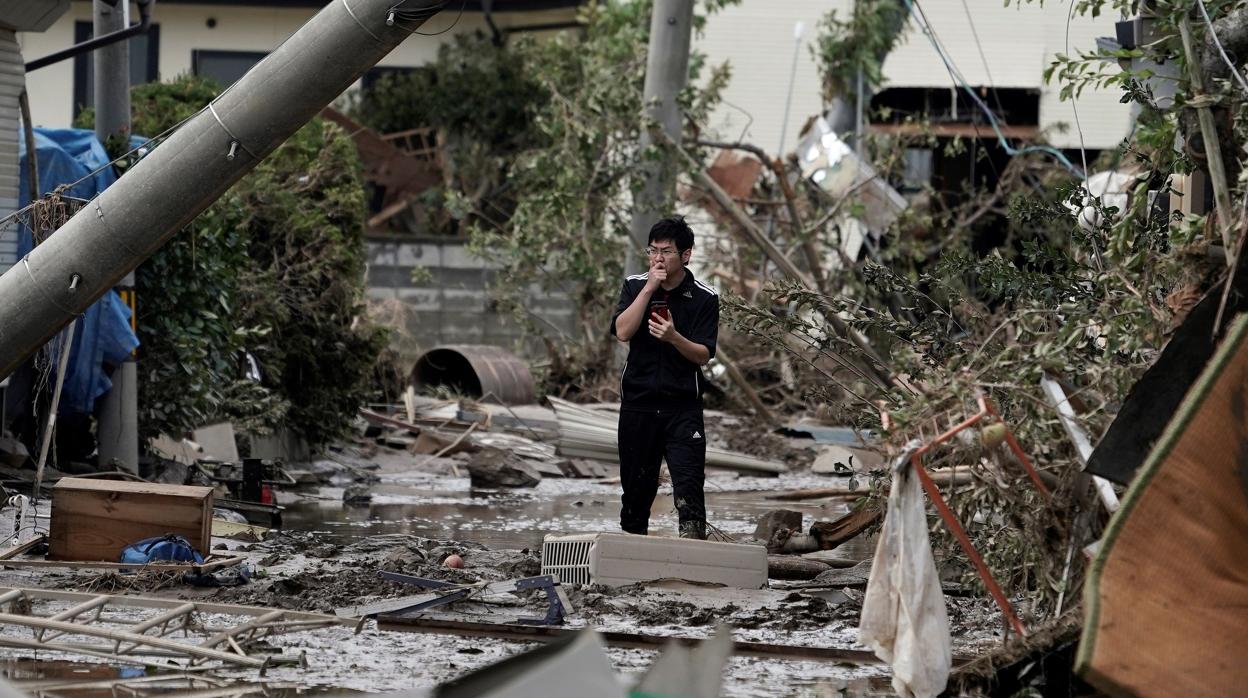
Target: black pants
[646,438]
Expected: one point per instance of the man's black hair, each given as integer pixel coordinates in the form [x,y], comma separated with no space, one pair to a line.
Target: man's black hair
[673,228]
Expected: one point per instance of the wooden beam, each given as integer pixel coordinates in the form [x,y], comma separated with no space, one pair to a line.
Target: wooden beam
[150,567]
[23,547]
[1026,133]
[545,633]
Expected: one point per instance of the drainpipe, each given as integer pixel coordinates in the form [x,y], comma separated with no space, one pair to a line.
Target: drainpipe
[145,23]
[165,190]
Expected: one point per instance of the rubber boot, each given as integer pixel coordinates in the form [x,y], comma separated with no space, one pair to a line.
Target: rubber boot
[693,529]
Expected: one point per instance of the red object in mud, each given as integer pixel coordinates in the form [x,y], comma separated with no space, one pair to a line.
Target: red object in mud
[454,561]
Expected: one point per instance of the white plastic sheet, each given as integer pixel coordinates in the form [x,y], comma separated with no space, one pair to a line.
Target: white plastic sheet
[903,615]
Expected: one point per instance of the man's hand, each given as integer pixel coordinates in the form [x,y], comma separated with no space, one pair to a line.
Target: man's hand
[663,330]
[658,274]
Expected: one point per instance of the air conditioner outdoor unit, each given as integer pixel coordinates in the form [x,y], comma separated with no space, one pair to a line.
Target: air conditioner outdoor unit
[616,559]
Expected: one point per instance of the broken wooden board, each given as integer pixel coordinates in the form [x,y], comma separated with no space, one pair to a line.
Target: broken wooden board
[830,534]
[125,638]
[23,547]
[545,633]
[1165,594]
[94,519]
[238,531]
[207,566]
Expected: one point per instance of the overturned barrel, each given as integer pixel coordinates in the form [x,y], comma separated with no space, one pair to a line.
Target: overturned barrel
[490,373]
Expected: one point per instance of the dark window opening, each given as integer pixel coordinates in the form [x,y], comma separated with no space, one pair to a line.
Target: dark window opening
[943,105]
[226,67]
[144,63]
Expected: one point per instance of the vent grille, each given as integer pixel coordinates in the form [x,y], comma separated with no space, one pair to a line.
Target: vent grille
[567,558]
[616,559]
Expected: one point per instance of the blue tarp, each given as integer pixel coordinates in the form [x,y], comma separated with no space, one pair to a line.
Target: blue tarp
[103,338]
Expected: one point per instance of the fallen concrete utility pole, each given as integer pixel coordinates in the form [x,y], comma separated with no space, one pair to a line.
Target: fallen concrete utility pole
[131,219]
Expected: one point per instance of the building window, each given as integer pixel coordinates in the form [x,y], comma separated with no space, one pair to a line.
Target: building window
[226,67]
[144,63]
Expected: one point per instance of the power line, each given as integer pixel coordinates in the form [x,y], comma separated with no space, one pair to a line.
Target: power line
[970,22]
[956,75]
[1083,153]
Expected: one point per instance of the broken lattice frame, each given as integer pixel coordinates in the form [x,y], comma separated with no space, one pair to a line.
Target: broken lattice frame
[131,638]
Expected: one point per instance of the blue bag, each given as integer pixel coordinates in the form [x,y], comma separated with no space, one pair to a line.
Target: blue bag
[167,548]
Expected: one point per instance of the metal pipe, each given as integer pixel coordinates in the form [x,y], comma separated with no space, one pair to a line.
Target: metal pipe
[165,190]
[145,23]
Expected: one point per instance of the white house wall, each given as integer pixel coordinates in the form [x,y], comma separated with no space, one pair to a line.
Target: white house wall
[184,29]
[756,39]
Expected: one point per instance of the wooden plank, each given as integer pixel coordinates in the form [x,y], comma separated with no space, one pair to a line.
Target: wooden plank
[538,633]
[151,567]
[130,487]
[24,547]
[95,519]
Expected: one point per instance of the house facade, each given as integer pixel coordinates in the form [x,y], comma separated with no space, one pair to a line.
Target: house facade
[775,89]
[758,39]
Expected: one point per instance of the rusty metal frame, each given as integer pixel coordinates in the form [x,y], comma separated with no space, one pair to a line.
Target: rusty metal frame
[916,459]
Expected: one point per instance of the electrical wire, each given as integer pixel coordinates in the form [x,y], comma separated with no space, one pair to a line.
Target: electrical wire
[1083,153]
[917,13]
[970,22]
[1221,51]
[397,11]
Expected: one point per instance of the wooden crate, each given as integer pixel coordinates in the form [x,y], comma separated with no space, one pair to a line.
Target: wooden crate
[94,519]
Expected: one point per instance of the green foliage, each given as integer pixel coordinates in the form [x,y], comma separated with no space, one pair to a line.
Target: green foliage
[569,227]
[859,42]
[273,269]
[474,91]
[542,141]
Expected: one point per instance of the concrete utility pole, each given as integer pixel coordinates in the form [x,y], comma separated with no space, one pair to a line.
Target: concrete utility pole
[667,68]
[119,424]
[165,190]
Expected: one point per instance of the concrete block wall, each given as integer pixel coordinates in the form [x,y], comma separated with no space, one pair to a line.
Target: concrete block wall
[454,305]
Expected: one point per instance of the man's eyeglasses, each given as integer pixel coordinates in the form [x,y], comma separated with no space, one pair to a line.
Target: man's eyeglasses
[666,251]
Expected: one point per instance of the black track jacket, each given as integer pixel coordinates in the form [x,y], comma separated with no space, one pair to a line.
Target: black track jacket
[656,376]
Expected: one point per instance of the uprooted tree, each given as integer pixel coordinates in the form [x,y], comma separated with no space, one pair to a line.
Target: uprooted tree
[989,291]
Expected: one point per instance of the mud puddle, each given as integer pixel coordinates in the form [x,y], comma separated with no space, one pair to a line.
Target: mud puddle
[519,519]
[55,677]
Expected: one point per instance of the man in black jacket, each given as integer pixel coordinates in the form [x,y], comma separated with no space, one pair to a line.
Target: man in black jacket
[670,321]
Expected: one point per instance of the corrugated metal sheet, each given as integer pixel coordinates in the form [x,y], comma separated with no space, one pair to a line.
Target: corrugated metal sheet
[12,82]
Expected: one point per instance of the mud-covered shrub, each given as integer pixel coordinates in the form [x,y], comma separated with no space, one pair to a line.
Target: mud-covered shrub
[270,275]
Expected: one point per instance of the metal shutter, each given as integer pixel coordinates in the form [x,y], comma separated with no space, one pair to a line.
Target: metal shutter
[12,82]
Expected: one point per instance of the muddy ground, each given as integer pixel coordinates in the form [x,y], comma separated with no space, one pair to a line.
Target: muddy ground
[423,509]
